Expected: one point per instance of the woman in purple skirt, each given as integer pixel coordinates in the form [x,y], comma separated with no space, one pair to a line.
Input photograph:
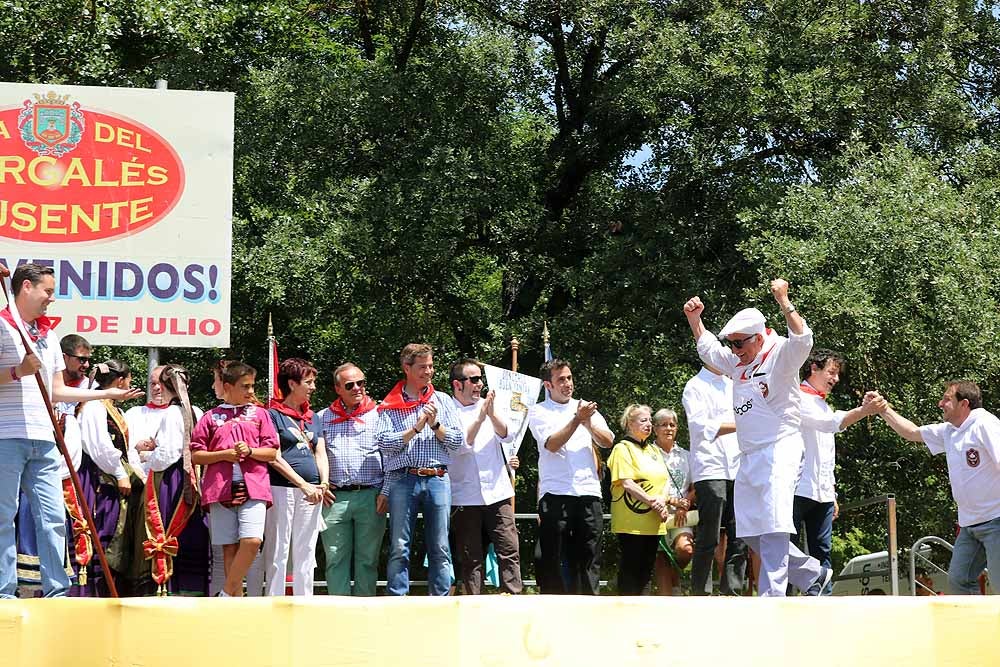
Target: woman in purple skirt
[161,434]
[113,489]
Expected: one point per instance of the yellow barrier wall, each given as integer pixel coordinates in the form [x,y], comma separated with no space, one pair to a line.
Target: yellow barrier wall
[495,631]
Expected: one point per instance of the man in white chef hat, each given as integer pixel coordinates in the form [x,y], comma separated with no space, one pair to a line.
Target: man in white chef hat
[765,371]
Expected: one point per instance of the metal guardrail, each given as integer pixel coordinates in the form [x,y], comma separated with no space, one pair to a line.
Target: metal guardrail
[915,554]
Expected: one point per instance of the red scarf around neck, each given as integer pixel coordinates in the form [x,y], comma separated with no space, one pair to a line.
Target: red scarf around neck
[809,389]
[395,400]
[154,406]
[342,415]
[43,323]
[303,414]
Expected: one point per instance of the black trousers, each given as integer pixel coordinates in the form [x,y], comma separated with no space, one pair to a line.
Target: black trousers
[638,555]
[570,525]
[715,511]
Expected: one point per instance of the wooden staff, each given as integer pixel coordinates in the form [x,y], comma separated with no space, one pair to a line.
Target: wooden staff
[61,443]
[515,345]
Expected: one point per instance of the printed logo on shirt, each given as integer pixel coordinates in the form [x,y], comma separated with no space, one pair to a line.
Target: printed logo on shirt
[745,408]
[764,390]
[972,457]
[636,506]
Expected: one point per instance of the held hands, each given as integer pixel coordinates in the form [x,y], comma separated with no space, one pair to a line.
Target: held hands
[230,455]
[145,445]
[874,403]
[242,450]
[313,493]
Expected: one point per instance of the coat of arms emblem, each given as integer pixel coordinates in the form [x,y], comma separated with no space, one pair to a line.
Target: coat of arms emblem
[51,125]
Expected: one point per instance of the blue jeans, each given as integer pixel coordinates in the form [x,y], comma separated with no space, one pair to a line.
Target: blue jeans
[977,547]
[409,495]
[33,465]
[818,518]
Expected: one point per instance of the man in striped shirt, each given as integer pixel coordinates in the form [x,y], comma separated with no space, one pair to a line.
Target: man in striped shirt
[357,500]
[418,430]
[28,455]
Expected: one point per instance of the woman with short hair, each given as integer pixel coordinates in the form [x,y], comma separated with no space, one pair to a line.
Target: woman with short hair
[298,483]
[638,506]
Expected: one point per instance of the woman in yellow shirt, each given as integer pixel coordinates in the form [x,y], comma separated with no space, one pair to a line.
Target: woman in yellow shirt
[638,503]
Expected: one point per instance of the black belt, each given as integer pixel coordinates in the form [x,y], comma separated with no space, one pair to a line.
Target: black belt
[353,487]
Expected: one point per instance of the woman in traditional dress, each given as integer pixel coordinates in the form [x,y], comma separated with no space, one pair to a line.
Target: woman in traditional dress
[113,488]
[160,432]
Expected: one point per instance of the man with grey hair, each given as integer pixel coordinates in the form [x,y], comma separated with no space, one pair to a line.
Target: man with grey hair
[357,499]
[764,368]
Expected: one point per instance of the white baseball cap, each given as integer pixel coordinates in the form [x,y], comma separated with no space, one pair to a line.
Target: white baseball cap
[748,321]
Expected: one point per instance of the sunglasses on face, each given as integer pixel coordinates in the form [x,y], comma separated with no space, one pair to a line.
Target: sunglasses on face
[476,379]
[739,342]
[349,386]
[83,359]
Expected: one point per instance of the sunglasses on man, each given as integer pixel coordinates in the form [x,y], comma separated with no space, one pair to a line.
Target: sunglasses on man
[349,386]
[475,379]
[82,358]
[739,342]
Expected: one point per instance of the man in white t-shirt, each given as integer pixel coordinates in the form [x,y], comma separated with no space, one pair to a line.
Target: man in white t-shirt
[715,460]
[28,454]
[481,488]
[570,513]
[969,437]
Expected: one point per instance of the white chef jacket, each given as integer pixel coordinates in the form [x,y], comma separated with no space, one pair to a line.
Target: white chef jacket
[478,470]
[708,403]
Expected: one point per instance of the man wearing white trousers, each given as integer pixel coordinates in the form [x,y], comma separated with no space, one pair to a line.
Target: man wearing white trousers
[764,368]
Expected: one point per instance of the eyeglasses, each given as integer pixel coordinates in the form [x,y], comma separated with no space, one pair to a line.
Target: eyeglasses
[740,342]
[477,379]
[83,359]
[349,386]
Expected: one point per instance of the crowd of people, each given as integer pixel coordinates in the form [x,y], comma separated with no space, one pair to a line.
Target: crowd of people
[237,498]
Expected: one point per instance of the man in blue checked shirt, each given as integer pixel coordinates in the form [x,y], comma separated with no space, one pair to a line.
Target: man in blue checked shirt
[357,501]
[417,431]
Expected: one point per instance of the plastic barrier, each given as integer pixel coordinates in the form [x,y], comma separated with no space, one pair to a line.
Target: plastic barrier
[501,631]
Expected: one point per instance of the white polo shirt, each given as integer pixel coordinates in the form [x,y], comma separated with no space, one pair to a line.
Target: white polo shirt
[22,410]
[569,471]
[478,470]
[973,454]
[819,424]
[708,403]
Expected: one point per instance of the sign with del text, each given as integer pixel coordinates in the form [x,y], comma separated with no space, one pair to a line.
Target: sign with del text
[127,194]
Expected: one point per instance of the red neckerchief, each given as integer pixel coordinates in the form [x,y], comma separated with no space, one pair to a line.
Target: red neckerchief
[743,375]
[43,324]
[303,414]
[154,406]
[807,388]
[395,400]
[342,415]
